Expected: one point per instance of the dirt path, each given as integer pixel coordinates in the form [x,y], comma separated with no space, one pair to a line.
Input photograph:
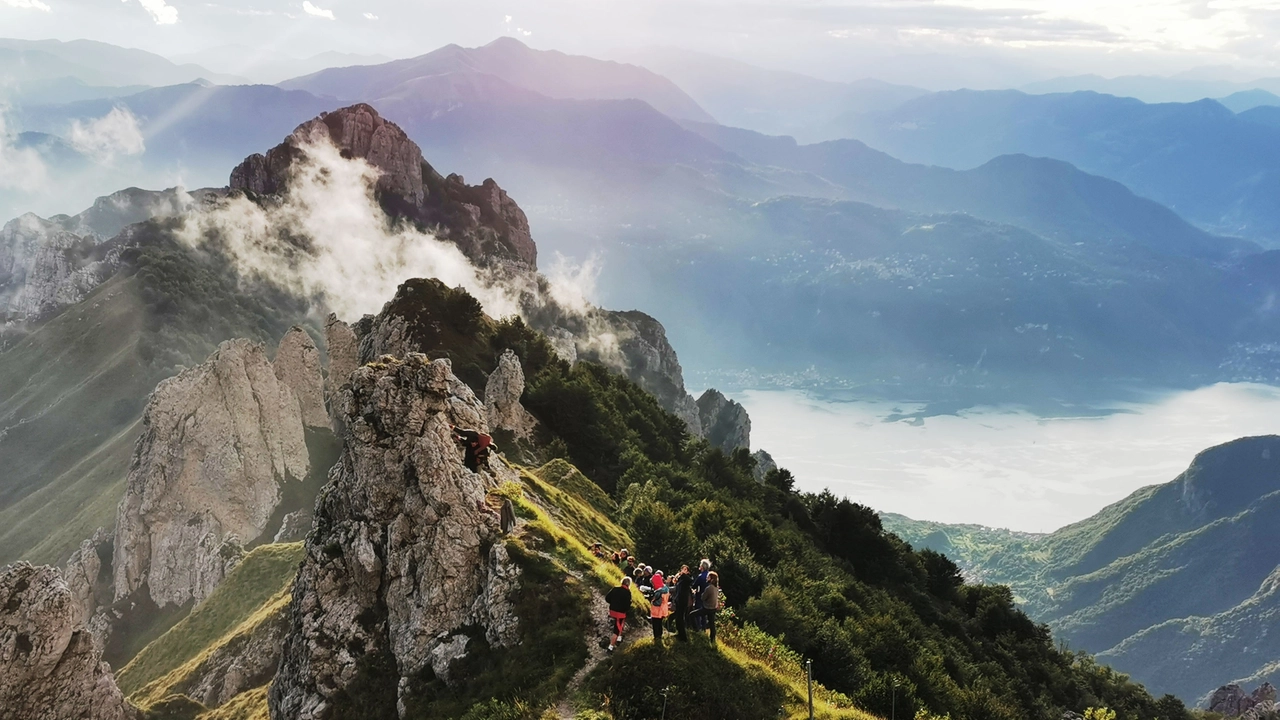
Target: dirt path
[596,653]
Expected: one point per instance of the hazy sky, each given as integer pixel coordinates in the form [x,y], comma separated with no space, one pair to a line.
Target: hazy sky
[1007,41]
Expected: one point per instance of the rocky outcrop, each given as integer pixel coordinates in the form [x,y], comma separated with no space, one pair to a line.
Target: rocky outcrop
[483,221]
[294,527]
[502,397]
[403,558]
[344,354]
[359,132]
[1232,701]
[297,365]
[725,423]
[218,443]
[764,465]
[634,344]
[88,577]
[50,668]
[49,264]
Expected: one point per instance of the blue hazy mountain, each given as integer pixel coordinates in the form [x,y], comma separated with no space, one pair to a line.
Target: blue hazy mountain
[1213,167]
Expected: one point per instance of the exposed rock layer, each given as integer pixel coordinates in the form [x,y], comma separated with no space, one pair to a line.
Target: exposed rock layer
[402,556]
[218,443]
[50,668]
[297,365]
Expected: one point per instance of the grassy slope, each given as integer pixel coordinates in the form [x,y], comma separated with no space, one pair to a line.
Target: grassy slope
[255,590]
[71,394]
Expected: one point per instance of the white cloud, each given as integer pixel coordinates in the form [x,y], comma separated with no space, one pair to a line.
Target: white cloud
[159,10]
[114,134]
[20,167]
[26,5]
[370,16]
[350,253]
[312,10]
[508,18]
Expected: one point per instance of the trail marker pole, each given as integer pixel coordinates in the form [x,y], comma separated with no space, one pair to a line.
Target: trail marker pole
[664,702]
[808,666]
[893,708]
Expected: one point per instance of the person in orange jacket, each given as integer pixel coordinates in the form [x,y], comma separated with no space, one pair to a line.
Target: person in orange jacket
[659,605]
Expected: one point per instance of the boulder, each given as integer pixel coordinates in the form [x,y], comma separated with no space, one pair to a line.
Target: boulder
[50,668]
[404,558]
[764,464]
[218,443]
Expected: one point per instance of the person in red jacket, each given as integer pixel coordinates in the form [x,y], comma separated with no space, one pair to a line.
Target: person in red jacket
[619,601]
[476,447]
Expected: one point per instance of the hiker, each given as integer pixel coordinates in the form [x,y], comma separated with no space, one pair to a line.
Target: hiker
[508,516]
[621,559]
[619,600]
[682,600]
[597,549]
[699,585]
[659,606]
[711,602]
[476,446]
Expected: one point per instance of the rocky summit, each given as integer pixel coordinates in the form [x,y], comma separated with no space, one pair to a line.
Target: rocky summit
[403,558]
[725,423]
[483,221]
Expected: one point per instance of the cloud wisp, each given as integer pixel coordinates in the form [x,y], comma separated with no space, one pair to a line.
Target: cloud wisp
[314,11]
[113,135]
[27,5]
[160,11]
[21,168]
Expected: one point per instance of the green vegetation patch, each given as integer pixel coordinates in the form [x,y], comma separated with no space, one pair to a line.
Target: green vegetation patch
[263,578]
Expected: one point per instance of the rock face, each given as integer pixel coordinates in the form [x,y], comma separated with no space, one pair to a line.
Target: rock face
[244,662]
[50,668]
[725,423]
[1233,702]
[402,557]
[483,221]
[636,345]
[297,365]
[218,443]
[764,464]
[344,354]
[88,576]
[46,265]
[502,397]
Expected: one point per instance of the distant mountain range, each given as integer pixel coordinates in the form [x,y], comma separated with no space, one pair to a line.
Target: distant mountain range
[1024,275]
[51,71]
[771,101]
[1175,585]
[1155,89]
[1213,167]
[264,65]
[549,73]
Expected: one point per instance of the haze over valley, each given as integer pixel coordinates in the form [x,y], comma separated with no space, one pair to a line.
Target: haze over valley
[344,348]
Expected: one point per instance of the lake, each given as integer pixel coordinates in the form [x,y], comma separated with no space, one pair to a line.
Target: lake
[1000,466]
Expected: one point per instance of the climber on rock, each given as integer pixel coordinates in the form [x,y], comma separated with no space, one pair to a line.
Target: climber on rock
[476,446]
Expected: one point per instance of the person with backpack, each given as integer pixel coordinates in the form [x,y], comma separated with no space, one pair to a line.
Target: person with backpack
[683,599]
[699,585]
[476,446]
[711,602]
[659,605]
[619,601]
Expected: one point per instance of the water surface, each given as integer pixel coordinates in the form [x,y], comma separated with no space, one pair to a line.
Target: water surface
[1000,466]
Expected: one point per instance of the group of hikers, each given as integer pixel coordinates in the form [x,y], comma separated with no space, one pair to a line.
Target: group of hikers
[689,598]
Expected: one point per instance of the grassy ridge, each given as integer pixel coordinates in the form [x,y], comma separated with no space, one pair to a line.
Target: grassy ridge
[255,590]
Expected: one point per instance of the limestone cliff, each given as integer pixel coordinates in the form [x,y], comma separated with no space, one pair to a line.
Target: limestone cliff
[483,221]
[403,558]
[50,667]
[725,423]
[218,443]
